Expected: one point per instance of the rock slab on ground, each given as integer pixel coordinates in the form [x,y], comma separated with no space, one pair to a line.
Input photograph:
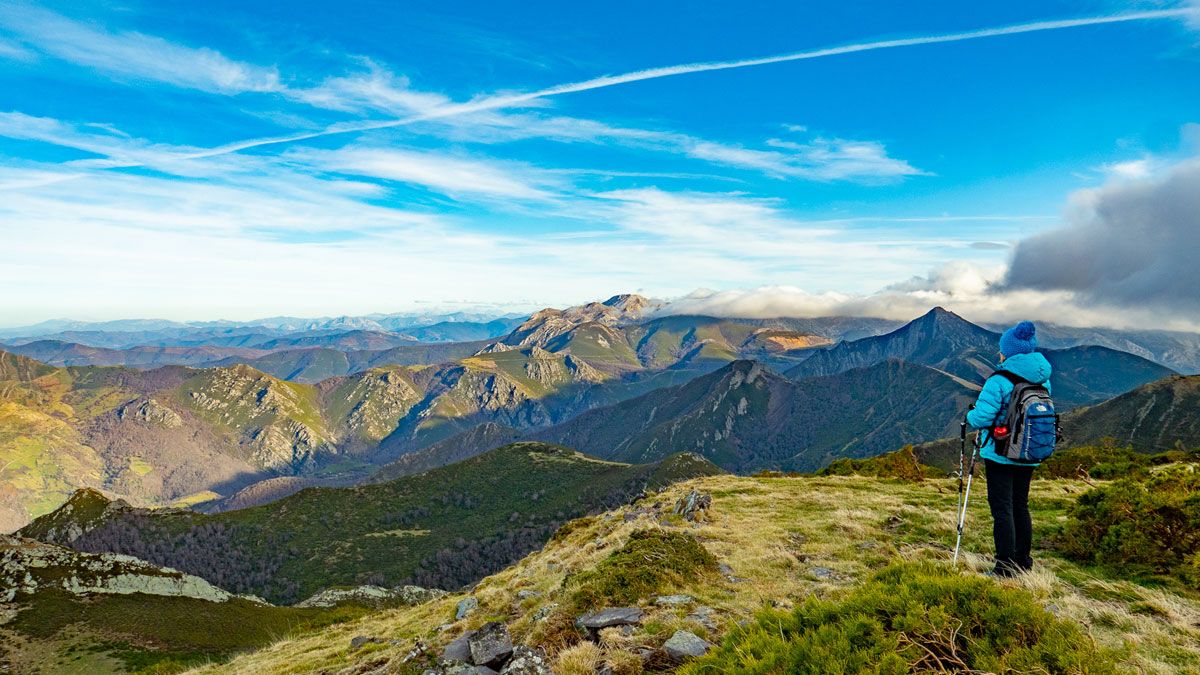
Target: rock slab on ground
[610,616]
[685,645]
[672,600]
[491,645]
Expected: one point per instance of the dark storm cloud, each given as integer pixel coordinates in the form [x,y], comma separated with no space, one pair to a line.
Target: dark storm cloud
[1130,244]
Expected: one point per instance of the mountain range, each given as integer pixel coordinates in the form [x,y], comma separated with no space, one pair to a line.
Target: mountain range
[603,377]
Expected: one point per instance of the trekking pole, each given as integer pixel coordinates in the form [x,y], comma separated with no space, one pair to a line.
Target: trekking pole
[962,463]
[966,498]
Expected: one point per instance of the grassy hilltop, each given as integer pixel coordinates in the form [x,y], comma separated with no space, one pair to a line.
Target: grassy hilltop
[849,544]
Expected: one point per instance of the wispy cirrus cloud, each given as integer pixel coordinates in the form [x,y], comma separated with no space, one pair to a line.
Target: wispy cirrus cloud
[12,50]
[486,103]
[133,56]
[443,172]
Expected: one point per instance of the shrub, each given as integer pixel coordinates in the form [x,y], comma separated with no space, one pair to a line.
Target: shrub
[1143,524]
[911,617]
[649,563]
[902,464]
[1104,461]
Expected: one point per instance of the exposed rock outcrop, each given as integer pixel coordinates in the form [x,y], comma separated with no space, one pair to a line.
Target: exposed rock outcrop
[27,566]
[151,413]
[373,596]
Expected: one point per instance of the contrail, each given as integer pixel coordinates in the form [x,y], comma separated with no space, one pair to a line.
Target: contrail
[509,100]
[506,101]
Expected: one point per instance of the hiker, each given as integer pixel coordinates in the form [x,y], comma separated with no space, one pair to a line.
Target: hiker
[1008,480]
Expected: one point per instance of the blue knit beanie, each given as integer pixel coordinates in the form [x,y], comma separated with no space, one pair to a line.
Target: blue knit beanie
[1020,339]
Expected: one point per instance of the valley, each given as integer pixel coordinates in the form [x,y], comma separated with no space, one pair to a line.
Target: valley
[612,379]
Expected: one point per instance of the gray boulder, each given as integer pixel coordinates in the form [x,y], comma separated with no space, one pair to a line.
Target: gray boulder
[672,600]
[466,607]
[685,645]
[458,650]
[491,645]
[526,661]
[360,640]
[545,611]
[704,616]
[610,616]
[694,506]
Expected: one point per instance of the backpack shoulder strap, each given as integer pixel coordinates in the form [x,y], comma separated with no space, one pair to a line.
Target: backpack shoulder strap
[1011,377]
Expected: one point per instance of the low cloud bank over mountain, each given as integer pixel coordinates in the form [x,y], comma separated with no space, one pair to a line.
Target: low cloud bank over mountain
[1126,255]
[1126,244]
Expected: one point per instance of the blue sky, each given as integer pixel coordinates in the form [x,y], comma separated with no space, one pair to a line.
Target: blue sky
[243,159]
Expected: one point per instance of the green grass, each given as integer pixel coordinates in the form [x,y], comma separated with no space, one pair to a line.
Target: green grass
[164,634]
[42,460]
[911,617]
[651,562]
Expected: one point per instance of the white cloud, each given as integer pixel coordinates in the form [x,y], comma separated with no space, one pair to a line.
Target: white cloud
[957,286]
[14,51]
[1129,169]
[439,171]
[376,90]
[134,56]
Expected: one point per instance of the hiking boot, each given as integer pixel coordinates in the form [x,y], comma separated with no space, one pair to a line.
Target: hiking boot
[1004,570]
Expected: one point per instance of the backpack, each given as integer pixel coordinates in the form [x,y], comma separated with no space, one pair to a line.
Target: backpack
[1030,429]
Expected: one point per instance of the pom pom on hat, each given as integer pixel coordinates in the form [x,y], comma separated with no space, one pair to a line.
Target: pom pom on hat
[1020,339]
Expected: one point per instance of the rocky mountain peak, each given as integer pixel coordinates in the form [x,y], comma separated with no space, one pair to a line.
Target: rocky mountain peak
[631,304]
[942,319]
[547,324]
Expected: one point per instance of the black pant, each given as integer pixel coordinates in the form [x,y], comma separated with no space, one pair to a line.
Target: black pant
[1012,526]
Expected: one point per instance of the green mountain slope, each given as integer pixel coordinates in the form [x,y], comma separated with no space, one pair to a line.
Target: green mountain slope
[1163,415]
[745,417]
[464,445]
[444,528]
[943,340]
[1086,375]
[60,353]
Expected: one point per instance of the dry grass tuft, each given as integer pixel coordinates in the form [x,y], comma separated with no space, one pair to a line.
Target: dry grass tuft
[582,659]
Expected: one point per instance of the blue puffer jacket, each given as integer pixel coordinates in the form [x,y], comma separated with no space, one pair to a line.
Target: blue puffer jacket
[993,400]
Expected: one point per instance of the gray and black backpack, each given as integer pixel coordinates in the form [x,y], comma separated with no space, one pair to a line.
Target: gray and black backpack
[1029,429]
